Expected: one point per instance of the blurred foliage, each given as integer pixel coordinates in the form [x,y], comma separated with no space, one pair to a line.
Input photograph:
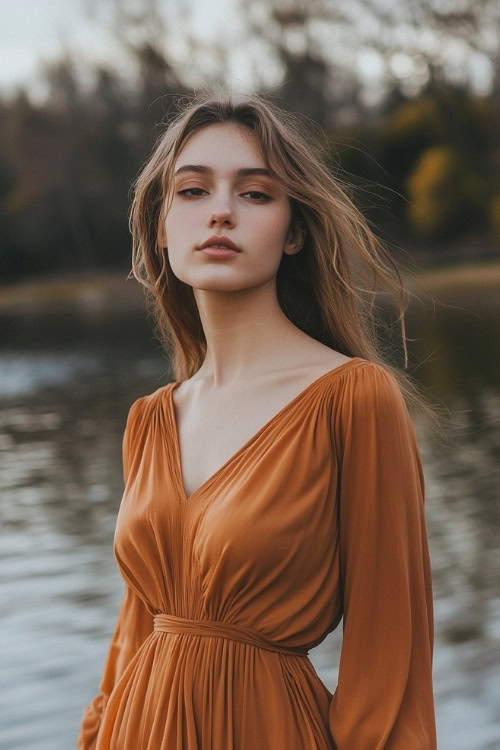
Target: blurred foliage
[432,163]
[445,194]
[67,166]
[423,168]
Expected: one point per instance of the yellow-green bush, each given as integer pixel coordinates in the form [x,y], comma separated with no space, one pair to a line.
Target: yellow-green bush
[444,193]
[413,123]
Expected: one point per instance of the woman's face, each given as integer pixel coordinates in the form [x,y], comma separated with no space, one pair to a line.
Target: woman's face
[212,195]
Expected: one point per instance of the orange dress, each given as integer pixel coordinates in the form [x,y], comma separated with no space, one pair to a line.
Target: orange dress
[319,516]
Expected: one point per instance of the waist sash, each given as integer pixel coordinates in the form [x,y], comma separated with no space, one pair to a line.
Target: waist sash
[172,624]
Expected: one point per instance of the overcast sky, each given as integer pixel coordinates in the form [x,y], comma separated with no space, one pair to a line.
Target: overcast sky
[34,31]
[37,30]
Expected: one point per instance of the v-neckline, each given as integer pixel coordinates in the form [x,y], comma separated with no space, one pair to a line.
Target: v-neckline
[176,442]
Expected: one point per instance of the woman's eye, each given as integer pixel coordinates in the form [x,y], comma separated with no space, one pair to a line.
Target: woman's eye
[190,190]
[261,196]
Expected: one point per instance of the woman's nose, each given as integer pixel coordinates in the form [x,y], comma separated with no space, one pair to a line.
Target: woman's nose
[222,213]
[222,218]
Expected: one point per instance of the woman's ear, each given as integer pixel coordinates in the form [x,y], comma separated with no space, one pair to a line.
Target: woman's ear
[295,239]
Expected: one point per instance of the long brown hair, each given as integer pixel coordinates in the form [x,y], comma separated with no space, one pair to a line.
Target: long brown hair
[322,289]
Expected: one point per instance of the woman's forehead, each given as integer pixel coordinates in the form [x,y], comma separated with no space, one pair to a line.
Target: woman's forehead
[221,145]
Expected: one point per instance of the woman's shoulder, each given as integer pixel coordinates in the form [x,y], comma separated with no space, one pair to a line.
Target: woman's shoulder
[364,379]
[143,406]
[362,387]
[368,393]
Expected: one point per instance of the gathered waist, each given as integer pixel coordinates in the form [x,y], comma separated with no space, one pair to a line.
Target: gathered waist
[164,623]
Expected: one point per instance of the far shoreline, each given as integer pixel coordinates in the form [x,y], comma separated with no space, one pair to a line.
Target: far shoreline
[118,289]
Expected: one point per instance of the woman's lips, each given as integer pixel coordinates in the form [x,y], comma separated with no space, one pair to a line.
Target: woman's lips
[218,252]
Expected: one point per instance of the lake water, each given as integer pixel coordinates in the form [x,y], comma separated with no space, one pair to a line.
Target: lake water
[67,379]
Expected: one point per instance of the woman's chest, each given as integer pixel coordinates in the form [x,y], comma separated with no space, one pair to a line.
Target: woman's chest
[206,437]
[205,441]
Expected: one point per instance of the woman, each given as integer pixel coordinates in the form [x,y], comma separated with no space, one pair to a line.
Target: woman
[275,486]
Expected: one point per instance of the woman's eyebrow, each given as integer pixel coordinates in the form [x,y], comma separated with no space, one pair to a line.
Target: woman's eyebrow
[243,172]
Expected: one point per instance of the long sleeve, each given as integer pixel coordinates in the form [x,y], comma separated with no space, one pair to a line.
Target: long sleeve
[134,624]
[384,696]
